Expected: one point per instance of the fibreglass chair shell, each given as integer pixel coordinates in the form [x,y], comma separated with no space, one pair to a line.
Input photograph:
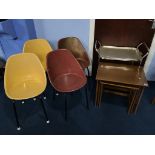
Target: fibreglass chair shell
[64,71]
[74,45]
[24,77]
[40,47]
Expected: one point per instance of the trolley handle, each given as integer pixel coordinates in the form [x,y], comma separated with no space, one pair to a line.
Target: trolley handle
[148,50]
[97,49]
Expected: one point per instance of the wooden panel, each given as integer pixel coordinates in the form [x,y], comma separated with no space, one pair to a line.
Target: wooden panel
[126,32]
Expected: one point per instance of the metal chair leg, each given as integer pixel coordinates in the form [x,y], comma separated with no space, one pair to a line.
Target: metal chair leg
[86,92]
[66,107]
[16,116]
[44,96]
[81,93]
[88,72]
[55,93]
[44,110]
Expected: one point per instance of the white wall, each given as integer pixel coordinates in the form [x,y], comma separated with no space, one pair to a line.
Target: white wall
[91,41]
[149,67]
[55,29]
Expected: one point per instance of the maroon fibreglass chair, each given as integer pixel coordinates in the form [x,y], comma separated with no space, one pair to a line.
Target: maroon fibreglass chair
[65,73]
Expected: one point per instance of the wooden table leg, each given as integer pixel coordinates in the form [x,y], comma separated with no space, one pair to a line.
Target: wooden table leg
[135,103]
[135,100]
[101,91]
[139,95]
[130,97]
[153,101]
[133,97]
[97,93]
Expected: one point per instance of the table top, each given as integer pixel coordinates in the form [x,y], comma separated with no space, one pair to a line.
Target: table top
[119,53]
[121,73]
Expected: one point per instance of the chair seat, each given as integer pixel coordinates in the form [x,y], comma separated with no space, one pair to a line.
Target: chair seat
[25,89]
[69,82]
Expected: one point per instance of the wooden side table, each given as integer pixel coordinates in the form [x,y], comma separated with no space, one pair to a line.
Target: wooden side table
[124,79]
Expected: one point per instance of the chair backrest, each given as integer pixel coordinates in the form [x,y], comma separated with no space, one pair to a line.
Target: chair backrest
[40,47]
[75,46]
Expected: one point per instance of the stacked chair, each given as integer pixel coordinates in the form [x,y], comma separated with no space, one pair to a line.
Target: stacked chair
[40,47]
[75,46]
[25,73]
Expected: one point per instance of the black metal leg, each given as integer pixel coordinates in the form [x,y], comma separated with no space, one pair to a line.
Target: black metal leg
[66,106]
[88,82]
[54,94]
[16,116]
[44,96]
[81,95]
[44,110]
[88,72]
[2,73]
[86,92]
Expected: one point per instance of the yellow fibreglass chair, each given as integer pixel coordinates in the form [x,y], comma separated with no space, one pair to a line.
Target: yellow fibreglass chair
[24,78]
[40,47]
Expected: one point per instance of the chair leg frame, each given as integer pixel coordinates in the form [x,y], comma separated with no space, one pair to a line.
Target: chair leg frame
[55,93]
[88,72]
[86,92]
[66,107]
[16,116]
[2,70]
[44,111]
[66,102]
